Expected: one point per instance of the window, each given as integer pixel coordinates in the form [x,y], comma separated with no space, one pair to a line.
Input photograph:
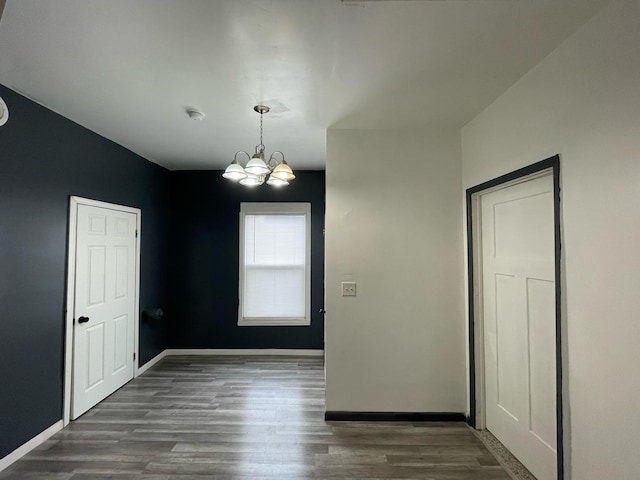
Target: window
[275,264]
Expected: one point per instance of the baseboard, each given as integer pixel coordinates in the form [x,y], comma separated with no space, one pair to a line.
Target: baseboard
[339,416]
[246,351]
[151,362]
[30,445]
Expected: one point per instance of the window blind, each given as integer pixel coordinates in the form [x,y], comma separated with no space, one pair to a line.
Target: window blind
[274,266]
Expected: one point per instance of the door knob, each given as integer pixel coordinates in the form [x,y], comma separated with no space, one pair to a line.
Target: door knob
[83,319]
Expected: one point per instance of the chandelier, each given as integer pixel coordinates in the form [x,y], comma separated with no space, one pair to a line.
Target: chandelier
[275,173]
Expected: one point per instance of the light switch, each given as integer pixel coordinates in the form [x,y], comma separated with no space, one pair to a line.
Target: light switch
[348,289]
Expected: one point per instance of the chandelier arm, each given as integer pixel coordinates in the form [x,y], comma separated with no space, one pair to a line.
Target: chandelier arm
[235,157]
[273,162]
[277,151]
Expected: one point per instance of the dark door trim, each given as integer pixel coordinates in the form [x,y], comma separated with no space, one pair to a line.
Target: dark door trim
[552,163]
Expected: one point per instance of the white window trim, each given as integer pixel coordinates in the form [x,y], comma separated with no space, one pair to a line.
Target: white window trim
[276,208]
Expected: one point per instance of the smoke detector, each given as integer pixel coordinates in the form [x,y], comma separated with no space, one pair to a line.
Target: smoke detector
[195,114]
[4,112]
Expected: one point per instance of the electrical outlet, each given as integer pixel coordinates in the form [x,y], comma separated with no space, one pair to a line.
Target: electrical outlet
[348,289]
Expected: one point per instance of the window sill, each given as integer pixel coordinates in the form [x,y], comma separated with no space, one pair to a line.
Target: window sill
[274,322]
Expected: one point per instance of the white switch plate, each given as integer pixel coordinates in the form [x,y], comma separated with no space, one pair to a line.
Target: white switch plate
[348,289]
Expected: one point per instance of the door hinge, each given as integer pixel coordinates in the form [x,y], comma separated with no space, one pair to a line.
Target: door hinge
[134,356]
[136,233]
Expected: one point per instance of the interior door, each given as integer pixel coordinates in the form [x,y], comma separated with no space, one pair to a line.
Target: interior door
[518,298]
[105,279]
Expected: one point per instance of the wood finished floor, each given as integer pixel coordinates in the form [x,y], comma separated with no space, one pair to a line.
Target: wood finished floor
[196,418]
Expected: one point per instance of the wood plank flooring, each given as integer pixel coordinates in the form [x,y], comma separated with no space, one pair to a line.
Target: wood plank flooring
[196,418]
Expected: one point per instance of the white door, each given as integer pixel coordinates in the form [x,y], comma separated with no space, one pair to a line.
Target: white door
[518,298]
[105,282]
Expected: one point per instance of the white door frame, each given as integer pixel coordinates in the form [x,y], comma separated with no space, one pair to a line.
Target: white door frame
[477,405]
[71,282]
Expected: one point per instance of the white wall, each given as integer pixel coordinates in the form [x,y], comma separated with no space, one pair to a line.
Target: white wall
[393,225]
[583,102]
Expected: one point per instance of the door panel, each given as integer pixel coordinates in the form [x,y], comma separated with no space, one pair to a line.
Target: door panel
[105,278]
[120,344]
[95,355]
[520,227]
[541,308]
[518,298]
[96,275]
[510,371]
[122,271]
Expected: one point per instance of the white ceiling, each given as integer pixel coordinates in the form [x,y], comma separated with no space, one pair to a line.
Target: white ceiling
[127,69]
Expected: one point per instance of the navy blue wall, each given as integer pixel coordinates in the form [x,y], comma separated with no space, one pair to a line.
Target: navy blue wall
[189,255]
[44,159]
[204,260]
